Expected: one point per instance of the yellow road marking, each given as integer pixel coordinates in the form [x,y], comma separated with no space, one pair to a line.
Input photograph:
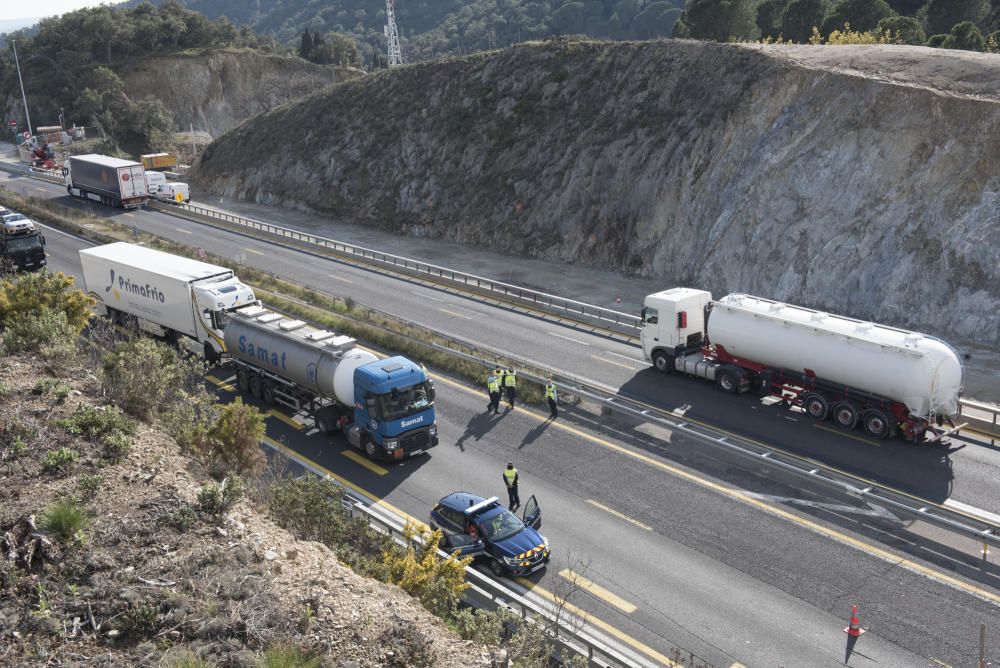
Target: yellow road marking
[358,458]
[250,250]
[739,495]
[541,591]
[599,623]
[459,315]
[221,383]
[940,663]
[340,278]
[275,413]
[598,591]
[607,361]
[618,514]
[737,665]
[183,230]
[845,434]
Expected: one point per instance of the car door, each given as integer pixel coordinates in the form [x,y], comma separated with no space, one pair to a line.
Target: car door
[464,544]
[532,513]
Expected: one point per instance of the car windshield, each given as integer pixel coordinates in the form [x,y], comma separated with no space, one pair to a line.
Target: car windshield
[15,244]
[399,404]
[11,217]
[501,526]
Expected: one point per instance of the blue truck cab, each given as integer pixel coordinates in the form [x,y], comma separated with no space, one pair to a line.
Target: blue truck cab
[393,409]
[485,530]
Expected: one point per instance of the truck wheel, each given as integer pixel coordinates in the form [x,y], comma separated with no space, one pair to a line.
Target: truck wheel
[727,381]
[69,190]
[497,568]
[845,415]
[243,380]
[211,354]
[268,393]
[876,423]
[816,406]
[663,362]
[322,425]
[255,386]
[370,448]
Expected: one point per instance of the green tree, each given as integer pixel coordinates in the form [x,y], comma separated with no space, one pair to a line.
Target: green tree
[769,17]
[43,292]
[936,41]
[943,14]
[306,44]
[235,440]
[906,7]
[966,36]
[909,29]
[861,15]
[151,123]
[569,18]
[799,18]
[718,20]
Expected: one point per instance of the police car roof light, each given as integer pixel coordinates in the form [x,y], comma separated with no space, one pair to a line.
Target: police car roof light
[482,505]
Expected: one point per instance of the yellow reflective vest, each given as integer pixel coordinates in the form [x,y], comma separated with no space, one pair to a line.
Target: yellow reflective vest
[510,475]
[510,380]
[550,391]
[493,384]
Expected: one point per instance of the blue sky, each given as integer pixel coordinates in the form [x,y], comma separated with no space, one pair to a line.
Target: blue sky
[15,9]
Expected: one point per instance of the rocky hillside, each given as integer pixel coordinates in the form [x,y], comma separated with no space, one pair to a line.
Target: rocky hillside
[218,90]
[114,560]
[862,180]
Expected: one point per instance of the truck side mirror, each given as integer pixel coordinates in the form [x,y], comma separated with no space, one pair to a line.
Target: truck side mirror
[430,391]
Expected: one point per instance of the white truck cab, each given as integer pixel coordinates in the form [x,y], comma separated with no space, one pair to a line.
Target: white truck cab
[673,321]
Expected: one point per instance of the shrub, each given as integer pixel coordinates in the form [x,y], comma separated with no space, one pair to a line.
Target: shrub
[190,419]
[145,377]
[187,660]
[906,29]
[59,460]
[15,436]
[64,519]
[234,440]
[98,422]
[965,36]
[89,485]
[289,656]
[30,332]
[44,292]
[216,499]
[848,36]
[56,388]
[116,447]
[438,583]
[140,621]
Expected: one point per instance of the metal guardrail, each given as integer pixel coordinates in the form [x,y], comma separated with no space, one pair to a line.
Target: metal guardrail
[618,321]
[982,419]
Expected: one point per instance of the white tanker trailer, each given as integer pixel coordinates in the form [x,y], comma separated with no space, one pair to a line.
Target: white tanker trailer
[887,380]
[384,407]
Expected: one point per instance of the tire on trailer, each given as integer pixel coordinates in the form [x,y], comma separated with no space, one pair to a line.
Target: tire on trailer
[256,386]
[728,381]
[243,380]
[663,362]
[816,406]
[876,423]
[845,415]
[268,394]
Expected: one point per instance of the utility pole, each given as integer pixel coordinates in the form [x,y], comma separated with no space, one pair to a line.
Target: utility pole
[392,34]
[27,116]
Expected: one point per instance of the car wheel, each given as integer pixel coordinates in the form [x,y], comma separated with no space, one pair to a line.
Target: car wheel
[816,406]
[663,362]
[497,568]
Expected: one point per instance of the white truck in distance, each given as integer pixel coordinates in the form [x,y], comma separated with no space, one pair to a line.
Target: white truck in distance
[887,380]
[110,181]
[173,297]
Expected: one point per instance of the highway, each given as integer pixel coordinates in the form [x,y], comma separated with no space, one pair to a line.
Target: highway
[652,522]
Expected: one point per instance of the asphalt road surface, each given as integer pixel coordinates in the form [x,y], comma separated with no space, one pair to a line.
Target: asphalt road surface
[673,554]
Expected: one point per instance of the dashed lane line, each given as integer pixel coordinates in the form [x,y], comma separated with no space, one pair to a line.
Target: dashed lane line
[569,338]
[251,250]
[597,590]
[340,278]
[619,515]
[607,361]
[459,315]
[841,432]
[361,460]
[291,422]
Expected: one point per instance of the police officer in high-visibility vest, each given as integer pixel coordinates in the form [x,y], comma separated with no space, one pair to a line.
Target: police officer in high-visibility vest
[550,395]
[510,386]
[510,480]
[493,386]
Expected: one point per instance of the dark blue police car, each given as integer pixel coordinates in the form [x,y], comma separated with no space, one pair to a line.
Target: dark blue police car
[484,529]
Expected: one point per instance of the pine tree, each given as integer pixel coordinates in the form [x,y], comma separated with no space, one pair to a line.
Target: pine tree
[306,47]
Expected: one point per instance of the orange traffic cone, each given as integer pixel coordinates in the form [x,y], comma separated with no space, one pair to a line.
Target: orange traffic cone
[854,629]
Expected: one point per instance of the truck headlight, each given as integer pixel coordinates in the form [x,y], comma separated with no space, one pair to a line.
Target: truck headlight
[391,443]
[433,430]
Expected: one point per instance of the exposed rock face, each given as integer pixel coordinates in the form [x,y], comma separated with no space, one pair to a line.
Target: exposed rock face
[861,180]
[217,91]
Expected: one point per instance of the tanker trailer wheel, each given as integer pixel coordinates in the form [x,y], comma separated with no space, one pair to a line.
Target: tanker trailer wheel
[243,380]
[845,415]
[663,362]
[255,386]
[876,423]
[268,393]
[728,381]
[816,406]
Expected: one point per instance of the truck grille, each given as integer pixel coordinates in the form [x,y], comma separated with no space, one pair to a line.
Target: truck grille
[418,441]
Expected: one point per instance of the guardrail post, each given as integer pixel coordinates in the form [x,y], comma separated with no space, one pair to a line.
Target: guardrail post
[982,646]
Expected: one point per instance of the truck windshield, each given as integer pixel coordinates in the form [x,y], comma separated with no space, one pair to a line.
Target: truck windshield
[501,526]
[21,244]
[402,403]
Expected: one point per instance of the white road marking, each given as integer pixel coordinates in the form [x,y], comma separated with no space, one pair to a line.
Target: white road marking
[630,358]
[433,299]
[253,251]
[993,518]
[568,338]
[183,230]
[340,278]
[873,511]
[624,366]
[459,315]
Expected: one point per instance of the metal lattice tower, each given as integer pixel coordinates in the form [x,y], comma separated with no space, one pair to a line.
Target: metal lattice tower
[392,34]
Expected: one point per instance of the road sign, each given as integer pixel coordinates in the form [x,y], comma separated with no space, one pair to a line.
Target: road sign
[12,124]
[201,254]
